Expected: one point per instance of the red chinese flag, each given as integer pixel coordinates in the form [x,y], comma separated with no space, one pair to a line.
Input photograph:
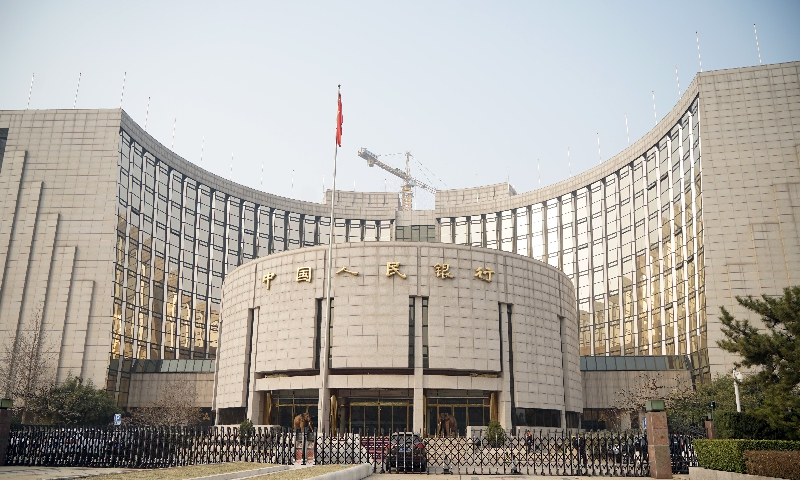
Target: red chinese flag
[339,122]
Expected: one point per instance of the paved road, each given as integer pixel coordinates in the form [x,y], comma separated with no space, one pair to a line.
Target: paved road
[36,473]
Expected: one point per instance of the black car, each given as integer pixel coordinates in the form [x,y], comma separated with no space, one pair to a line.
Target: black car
[405,452]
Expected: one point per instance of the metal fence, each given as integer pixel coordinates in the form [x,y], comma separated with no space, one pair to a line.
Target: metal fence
[682,453]
[541,453]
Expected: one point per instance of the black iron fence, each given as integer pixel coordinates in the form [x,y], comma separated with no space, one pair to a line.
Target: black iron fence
[682,453]
[540,453]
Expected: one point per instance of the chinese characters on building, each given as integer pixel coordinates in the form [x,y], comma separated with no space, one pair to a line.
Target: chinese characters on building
[303,274]
[484,273]
[393,268]
[267,279]
[441,270]
[345,270]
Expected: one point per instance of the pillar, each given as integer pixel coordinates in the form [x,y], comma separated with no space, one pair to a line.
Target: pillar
[505,401]
[658,445]
[711,430]
[255,406]
[254,397]
[418,416]
[5,433]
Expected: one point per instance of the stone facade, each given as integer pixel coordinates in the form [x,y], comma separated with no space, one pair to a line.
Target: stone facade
[746,172]
[276,333]
[121,246]
[58,179]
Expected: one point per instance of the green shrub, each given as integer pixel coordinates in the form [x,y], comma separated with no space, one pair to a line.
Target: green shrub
[246,430]
[495,435]
[728,455]
[778,464]
[745,425]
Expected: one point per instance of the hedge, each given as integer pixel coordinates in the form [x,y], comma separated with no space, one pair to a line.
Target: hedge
[745,425]
[773,464]
[728,455]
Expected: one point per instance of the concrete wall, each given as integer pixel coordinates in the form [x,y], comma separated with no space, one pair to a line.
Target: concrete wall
[58,181]
[600,388]
[378,204]
[147,388]
[750,120]
[749,135]
[371,320]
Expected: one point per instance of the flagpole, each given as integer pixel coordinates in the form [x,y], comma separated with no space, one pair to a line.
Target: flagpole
[323,422]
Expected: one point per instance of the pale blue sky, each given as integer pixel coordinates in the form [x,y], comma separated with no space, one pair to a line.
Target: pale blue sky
[477,91]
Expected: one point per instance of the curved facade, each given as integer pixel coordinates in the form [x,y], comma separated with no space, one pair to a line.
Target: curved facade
[629,234]
[720,170]
[181,229]
[404,346]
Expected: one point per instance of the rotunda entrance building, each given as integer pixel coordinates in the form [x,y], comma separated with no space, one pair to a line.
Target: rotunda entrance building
[415,333]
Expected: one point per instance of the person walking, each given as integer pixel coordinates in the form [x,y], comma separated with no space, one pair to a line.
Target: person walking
[580,445]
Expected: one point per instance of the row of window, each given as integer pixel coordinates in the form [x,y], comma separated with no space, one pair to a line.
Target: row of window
[176,241]
[541,417]
[631,242]
[412,302]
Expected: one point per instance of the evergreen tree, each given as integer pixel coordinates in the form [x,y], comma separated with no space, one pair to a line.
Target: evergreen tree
[688,413]
[774,351]
[75,403]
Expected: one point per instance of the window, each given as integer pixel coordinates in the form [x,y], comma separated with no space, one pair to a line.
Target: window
[411,328]
[330,332]
[425,357]
[447,230]
[573,419]
[416,233]
[318,333]
[593,419]
[538,417]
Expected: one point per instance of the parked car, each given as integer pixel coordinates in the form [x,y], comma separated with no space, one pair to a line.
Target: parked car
[405,452]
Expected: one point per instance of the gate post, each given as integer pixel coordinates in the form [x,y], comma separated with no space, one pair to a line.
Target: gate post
[711,430]
[658,440]
[5,428]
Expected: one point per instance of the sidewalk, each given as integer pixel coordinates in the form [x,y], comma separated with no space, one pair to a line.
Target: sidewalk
[36,473]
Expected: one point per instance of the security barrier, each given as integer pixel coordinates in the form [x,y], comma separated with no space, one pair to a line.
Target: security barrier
[539,453]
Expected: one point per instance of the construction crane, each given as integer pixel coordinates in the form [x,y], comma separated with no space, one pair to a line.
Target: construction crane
[409,182]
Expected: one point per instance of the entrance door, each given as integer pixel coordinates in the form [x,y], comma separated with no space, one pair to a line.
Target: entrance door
[379,416]
[470,411]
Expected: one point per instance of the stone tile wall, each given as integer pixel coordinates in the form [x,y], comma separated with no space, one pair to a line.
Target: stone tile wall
[371,323]
[58,179]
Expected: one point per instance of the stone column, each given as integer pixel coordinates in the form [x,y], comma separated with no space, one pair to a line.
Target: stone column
[504,399]
[658,445]
[418,418]
[711,430]
[254,397]
[5,433]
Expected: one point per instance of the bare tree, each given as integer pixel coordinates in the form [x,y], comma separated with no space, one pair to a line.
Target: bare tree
[652,387]
[649,387]
[27,366]
[175,406]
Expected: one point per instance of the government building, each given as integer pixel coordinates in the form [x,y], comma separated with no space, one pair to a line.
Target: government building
[141,268]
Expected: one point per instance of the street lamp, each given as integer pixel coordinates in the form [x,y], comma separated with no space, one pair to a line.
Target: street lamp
[737,377]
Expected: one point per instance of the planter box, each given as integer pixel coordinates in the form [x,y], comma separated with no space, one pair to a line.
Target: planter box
[700,473]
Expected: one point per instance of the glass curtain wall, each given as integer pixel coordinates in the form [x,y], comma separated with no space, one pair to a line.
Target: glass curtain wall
[632,244]
[176,239]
